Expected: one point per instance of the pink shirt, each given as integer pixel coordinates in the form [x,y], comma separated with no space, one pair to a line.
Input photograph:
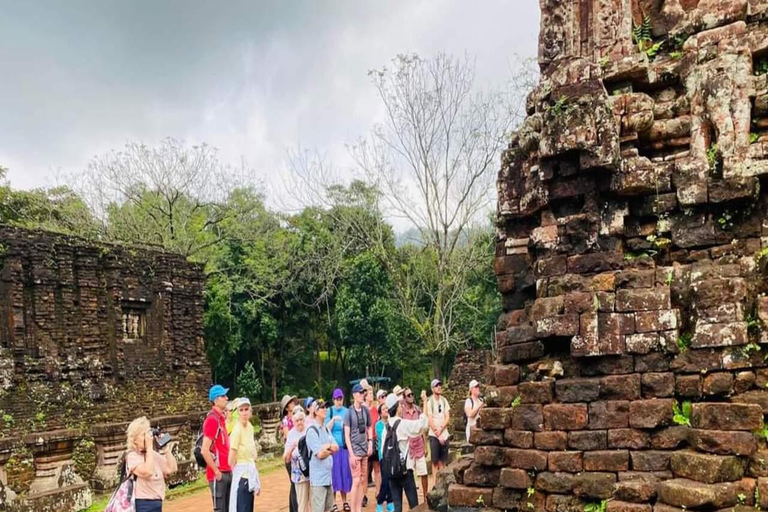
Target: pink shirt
[152,488]
[416,445]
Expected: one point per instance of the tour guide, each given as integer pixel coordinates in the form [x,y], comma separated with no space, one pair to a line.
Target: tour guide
[216,450]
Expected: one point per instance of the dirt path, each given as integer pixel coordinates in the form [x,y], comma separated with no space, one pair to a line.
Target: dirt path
[273,498]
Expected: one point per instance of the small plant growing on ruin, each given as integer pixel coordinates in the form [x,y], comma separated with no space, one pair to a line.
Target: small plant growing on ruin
[676,55]
[669,277]
[682,415]
[596,506]
[763,433]
[761,255]
[757,498]
[684,341]
[529,493]
[750,347]
[631,255]
[753,137]
[761,66]
[714,158]
[480,500]
[659,242]
[8,420]
[753,325]
[642,34]
[725,220]
[516,402]
[741,498]
[604,61]
[678,40]
[653,50]
[559,107]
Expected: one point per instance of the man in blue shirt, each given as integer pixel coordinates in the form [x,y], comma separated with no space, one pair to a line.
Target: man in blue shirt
[321,444]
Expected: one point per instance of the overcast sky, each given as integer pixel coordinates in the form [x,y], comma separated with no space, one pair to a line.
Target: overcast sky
[252,78]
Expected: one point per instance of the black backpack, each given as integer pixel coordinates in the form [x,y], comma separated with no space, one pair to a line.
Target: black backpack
[199,443]
[466,418]
[393,463]
[305,454]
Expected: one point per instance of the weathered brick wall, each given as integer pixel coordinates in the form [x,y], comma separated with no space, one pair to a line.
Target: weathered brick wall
[631,260]
[96,333]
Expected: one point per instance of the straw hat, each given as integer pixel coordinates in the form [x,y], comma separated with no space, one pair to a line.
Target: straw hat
[285,401]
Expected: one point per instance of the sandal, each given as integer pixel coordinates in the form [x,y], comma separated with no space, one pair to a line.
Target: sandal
[347,508]
[335,508]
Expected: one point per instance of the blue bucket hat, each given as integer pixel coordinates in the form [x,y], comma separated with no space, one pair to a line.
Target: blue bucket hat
[217,391]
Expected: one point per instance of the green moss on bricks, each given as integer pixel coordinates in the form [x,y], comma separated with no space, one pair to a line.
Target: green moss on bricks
[84,458]
[20,468]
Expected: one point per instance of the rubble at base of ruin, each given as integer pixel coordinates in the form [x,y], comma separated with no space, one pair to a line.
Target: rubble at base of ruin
[632,255]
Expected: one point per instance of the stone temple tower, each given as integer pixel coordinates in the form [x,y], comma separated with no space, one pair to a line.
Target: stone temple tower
[632,255]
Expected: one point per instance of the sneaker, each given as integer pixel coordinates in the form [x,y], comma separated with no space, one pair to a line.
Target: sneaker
[378,508]
[390,507]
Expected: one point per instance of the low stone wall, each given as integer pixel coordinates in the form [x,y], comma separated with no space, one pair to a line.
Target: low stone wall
[57,470]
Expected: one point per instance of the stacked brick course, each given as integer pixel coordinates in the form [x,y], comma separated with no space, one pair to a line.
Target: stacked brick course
[630,255]
[92,336]
[64,339]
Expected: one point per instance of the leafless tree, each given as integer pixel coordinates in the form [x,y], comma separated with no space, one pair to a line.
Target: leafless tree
[435,159]
[171,195]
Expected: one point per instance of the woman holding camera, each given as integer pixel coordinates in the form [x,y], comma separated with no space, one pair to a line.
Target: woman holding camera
[148,466]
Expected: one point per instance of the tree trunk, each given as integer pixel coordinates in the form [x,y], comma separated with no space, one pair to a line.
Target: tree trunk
[437,366]
[274,386]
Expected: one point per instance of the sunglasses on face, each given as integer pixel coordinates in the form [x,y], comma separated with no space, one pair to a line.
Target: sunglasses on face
[409,395]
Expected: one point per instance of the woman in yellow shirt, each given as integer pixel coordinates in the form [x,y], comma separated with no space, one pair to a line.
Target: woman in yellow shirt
[242,458]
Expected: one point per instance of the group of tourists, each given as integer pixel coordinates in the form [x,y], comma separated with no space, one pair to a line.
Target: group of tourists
[330,449]
[379,437]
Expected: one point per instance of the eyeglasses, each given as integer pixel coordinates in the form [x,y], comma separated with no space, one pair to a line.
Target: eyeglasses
[409,395]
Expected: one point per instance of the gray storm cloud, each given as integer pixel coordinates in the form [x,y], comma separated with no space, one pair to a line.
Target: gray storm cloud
[251,78]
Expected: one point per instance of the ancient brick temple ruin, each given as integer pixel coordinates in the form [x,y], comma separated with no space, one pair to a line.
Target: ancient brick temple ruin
[632,254]
[91,336]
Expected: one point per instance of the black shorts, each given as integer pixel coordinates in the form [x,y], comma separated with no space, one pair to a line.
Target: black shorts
[438,450]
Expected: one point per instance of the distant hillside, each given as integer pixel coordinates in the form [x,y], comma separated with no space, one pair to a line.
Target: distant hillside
[411,236]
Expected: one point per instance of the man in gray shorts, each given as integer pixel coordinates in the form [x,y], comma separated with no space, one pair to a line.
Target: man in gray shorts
[321,444]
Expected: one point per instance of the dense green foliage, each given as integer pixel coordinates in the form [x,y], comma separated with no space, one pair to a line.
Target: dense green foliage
[294,303]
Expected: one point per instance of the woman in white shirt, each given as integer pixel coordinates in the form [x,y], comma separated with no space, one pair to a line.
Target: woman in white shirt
[405,430]
[291,456]
[472,405]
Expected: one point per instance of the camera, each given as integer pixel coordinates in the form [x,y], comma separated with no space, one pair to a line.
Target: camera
[161,439]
